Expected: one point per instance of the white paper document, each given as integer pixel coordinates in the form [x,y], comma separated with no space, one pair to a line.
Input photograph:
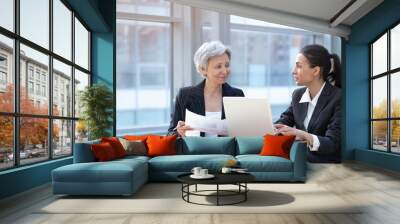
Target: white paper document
[202,123]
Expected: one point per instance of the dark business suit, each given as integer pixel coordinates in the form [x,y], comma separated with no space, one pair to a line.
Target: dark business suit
[192,98]
[324,122]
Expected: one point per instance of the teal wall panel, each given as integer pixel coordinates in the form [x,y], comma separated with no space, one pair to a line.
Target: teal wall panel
[380,159]
[357,84]
[89,11]
[102,58]
[24,178]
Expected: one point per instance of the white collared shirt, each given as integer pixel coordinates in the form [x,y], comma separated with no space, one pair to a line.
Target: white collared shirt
[306,98]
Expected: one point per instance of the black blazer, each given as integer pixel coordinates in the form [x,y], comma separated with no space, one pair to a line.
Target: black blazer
[192,98]
[324,122]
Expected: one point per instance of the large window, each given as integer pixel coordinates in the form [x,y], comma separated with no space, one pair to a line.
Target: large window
[263,55]
[143,67]
[40,80]
[385,96]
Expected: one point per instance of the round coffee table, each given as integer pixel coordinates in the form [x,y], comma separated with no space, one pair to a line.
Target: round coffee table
[238,179]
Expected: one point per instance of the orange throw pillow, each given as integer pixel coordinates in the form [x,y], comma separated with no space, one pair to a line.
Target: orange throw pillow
[161,145]
[103,152]
[277,145]
[116,145]
[136,137]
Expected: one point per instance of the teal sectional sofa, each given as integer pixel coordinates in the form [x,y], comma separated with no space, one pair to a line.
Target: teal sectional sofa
[125,176]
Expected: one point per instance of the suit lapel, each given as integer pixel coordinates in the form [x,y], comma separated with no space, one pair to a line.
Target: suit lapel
[303,113]
[198,98]
[321,103]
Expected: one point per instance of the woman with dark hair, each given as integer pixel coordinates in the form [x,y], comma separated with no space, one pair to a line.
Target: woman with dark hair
[314,114]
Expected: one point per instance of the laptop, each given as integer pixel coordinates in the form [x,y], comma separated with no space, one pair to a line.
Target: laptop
[247,117]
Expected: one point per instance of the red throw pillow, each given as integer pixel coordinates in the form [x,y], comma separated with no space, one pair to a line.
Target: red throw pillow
[161,145]
[277,145]
[116,145]
[103,152]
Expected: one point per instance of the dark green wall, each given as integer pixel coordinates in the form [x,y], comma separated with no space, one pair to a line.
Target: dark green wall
[356,90]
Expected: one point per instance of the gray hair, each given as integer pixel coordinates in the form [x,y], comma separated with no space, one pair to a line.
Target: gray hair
[208,50]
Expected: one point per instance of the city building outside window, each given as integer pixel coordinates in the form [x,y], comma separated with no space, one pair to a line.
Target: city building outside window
[34,142]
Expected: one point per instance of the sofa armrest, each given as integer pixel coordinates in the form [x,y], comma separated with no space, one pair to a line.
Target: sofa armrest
[83,152]
[298,155]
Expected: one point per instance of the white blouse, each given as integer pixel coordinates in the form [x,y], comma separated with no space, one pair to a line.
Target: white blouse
[216,115]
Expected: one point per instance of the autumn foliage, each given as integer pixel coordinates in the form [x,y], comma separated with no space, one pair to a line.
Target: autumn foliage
[33,130]
[380,127]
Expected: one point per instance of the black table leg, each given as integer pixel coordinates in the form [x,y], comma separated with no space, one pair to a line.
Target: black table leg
[245,193]
[217,194]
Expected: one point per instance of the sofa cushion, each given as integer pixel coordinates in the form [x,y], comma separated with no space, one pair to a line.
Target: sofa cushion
[185,163]
[257,163]
[208,145]
[112,171]
[249,145]
[132,158]
[83,152]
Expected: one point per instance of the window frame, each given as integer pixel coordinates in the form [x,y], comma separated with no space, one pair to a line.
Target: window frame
[388,74]
[16,115]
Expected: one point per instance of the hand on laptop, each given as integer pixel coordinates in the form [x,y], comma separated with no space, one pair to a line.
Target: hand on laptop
[286,130]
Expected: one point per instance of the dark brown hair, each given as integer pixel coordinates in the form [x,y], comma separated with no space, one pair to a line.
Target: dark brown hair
[318,55]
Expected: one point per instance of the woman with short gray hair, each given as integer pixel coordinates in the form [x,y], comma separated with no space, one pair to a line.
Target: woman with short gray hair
[212,61]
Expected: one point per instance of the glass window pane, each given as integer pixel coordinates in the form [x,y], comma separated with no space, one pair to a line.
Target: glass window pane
[395,95]
[379,135]
[143,77]
[7,14]
[34,96]
[81,131]
[149,7]
[6,74]
[153,76]
[33,139]
[379,98]
[6,142]
[263,55]
[395,47]
[62,138]
[395,138]
[379,55]
[62,29]
[81,81]
[81,45]
[35,21]
[62,89]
